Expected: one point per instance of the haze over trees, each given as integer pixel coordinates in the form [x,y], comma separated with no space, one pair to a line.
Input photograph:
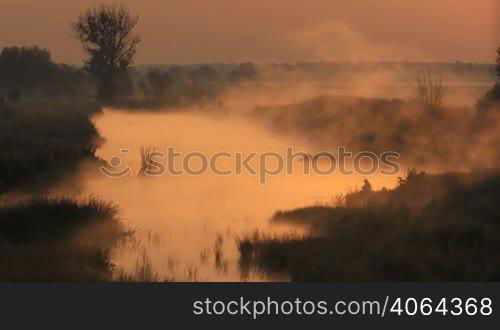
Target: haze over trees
[107,36]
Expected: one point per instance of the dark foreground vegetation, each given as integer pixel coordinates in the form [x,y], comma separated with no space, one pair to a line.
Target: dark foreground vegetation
[58,240]
[43,141]
[430,228]
[51,240]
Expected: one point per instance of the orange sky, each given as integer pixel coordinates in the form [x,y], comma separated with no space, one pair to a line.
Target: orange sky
[187,31]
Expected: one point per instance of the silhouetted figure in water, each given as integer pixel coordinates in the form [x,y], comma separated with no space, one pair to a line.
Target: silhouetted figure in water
[367,187]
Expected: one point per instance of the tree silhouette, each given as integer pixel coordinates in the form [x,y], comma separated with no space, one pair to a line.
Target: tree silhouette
[24,68]
[492,97]
[106,34]
[498,62]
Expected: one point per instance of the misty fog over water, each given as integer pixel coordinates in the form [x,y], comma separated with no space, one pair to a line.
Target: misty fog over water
[187,226]
[349,142]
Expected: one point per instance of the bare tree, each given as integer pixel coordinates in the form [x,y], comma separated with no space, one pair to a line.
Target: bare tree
[106,33]
[429,91]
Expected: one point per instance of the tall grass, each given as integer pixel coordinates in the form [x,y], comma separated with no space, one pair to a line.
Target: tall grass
[142,272]
[147,160]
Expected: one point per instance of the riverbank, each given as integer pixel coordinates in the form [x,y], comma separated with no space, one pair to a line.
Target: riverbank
[41,142]
[430,228]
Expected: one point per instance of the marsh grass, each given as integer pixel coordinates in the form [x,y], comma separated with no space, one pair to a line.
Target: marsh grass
[453,236]
[58,240]
[142,272]
[147,160]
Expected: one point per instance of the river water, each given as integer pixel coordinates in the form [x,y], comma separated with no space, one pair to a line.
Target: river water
[186,226]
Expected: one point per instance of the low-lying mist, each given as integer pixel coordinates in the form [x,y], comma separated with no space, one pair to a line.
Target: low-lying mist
[193,216]
[187,226]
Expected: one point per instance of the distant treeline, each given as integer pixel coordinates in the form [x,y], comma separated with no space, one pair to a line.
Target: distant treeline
[30,72]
